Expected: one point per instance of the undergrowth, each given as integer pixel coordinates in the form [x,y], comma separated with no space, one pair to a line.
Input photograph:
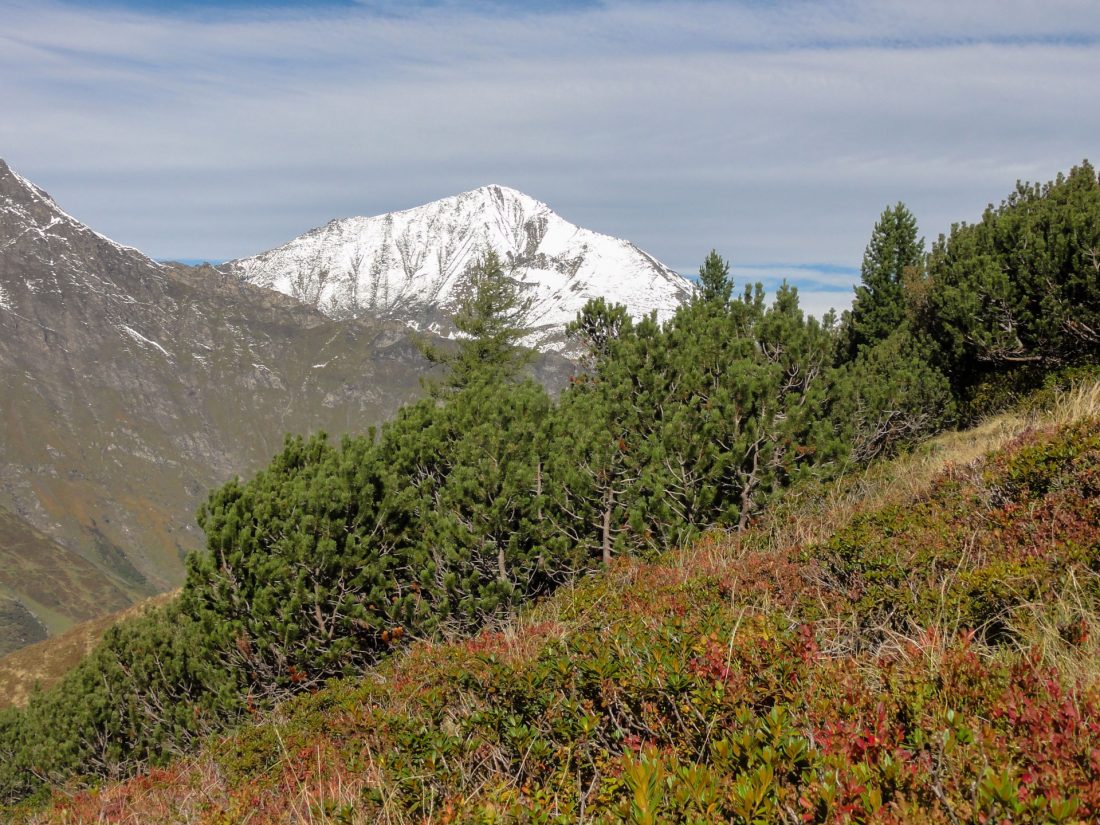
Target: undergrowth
[915,643]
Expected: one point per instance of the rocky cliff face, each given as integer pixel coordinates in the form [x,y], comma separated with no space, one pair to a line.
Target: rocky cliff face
[411,265]
[129,388]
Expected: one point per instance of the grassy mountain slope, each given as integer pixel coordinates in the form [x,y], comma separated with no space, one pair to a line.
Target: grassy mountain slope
[46,661]
[44,588]
[915,643]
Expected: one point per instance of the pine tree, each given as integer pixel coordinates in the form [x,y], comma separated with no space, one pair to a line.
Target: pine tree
[697,422]
[303,574]
[148,691]
[879,308]
[473,473]
[471,461]
[492,319]
[715,285]
[888,398]
[594,433]
[597,328]
[1020,288]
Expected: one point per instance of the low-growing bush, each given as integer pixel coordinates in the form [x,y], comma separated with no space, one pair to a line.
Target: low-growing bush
[742,682]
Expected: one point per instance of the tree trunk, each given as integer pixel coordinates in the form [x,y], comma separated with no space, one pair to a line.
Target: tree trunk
[607,533]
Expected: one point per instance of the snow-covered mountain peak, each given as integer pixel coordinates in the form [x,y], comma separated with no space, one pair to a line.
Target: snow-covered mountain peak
[485,198]
[412,265]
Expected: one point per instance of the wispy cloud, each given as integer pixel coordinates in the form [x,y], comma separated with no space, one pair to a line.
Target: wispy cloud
[773,132]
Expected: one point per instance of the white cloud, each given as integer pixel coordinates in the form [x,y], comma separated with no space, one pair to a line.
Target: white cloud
[773,132]
[820,288]
[817,303]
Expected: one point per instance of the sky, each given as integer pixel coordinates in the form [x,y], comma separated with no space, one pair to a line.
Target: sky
[774,132]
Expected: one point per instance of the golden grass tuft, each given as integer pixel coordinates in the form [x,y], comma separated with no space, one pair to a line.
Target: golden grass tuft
[1065,633]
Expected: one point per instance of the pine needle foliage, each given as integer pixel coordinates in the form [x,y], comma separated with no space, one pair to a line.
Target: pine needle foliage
[1020,289]
[492,319]
[893,255]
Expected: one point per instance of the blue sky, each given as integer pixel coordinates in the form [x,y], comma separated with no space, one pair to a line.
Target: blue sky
[773,132]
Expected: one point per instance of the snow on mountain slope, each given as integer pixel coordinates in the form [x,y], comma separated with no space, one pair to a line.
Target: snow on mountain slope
[46,252]
[411,265]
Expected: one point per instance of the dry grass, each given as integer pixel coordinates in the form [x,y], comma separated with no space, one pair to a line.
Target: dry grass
[307,787]
[812,516]
[1065,633]
[47,661]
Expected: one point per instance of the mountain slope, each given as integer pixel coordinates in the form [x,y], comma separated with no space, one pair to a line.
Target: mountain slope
[44,588]
[411,265]
[918,644]
[37,666]
[131,388]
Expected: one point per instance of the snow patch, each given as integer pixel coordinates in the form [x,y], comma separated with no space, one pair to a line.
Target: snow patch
[141,339]
[416,261]
[5,299]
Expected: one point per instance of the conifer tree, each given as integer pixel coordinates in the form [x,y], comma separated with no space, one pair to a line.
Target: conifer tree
[888,398]
[492,319]
[595,432]
[694,423]
[471,459]
[715,285]
[148,691]
[303,572]
[597,328]
[1021,287]
[473,471]
[879,308]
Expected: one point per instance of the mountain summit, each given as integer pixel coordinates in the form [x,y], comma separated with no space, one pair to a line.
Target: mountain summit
[411,265]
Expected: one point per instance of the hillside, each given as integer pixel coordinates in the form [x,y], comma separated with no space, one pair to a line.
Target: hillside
[413,266]
[913,643]
[44,588]
[856,640]
[43,663]
[130,388]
